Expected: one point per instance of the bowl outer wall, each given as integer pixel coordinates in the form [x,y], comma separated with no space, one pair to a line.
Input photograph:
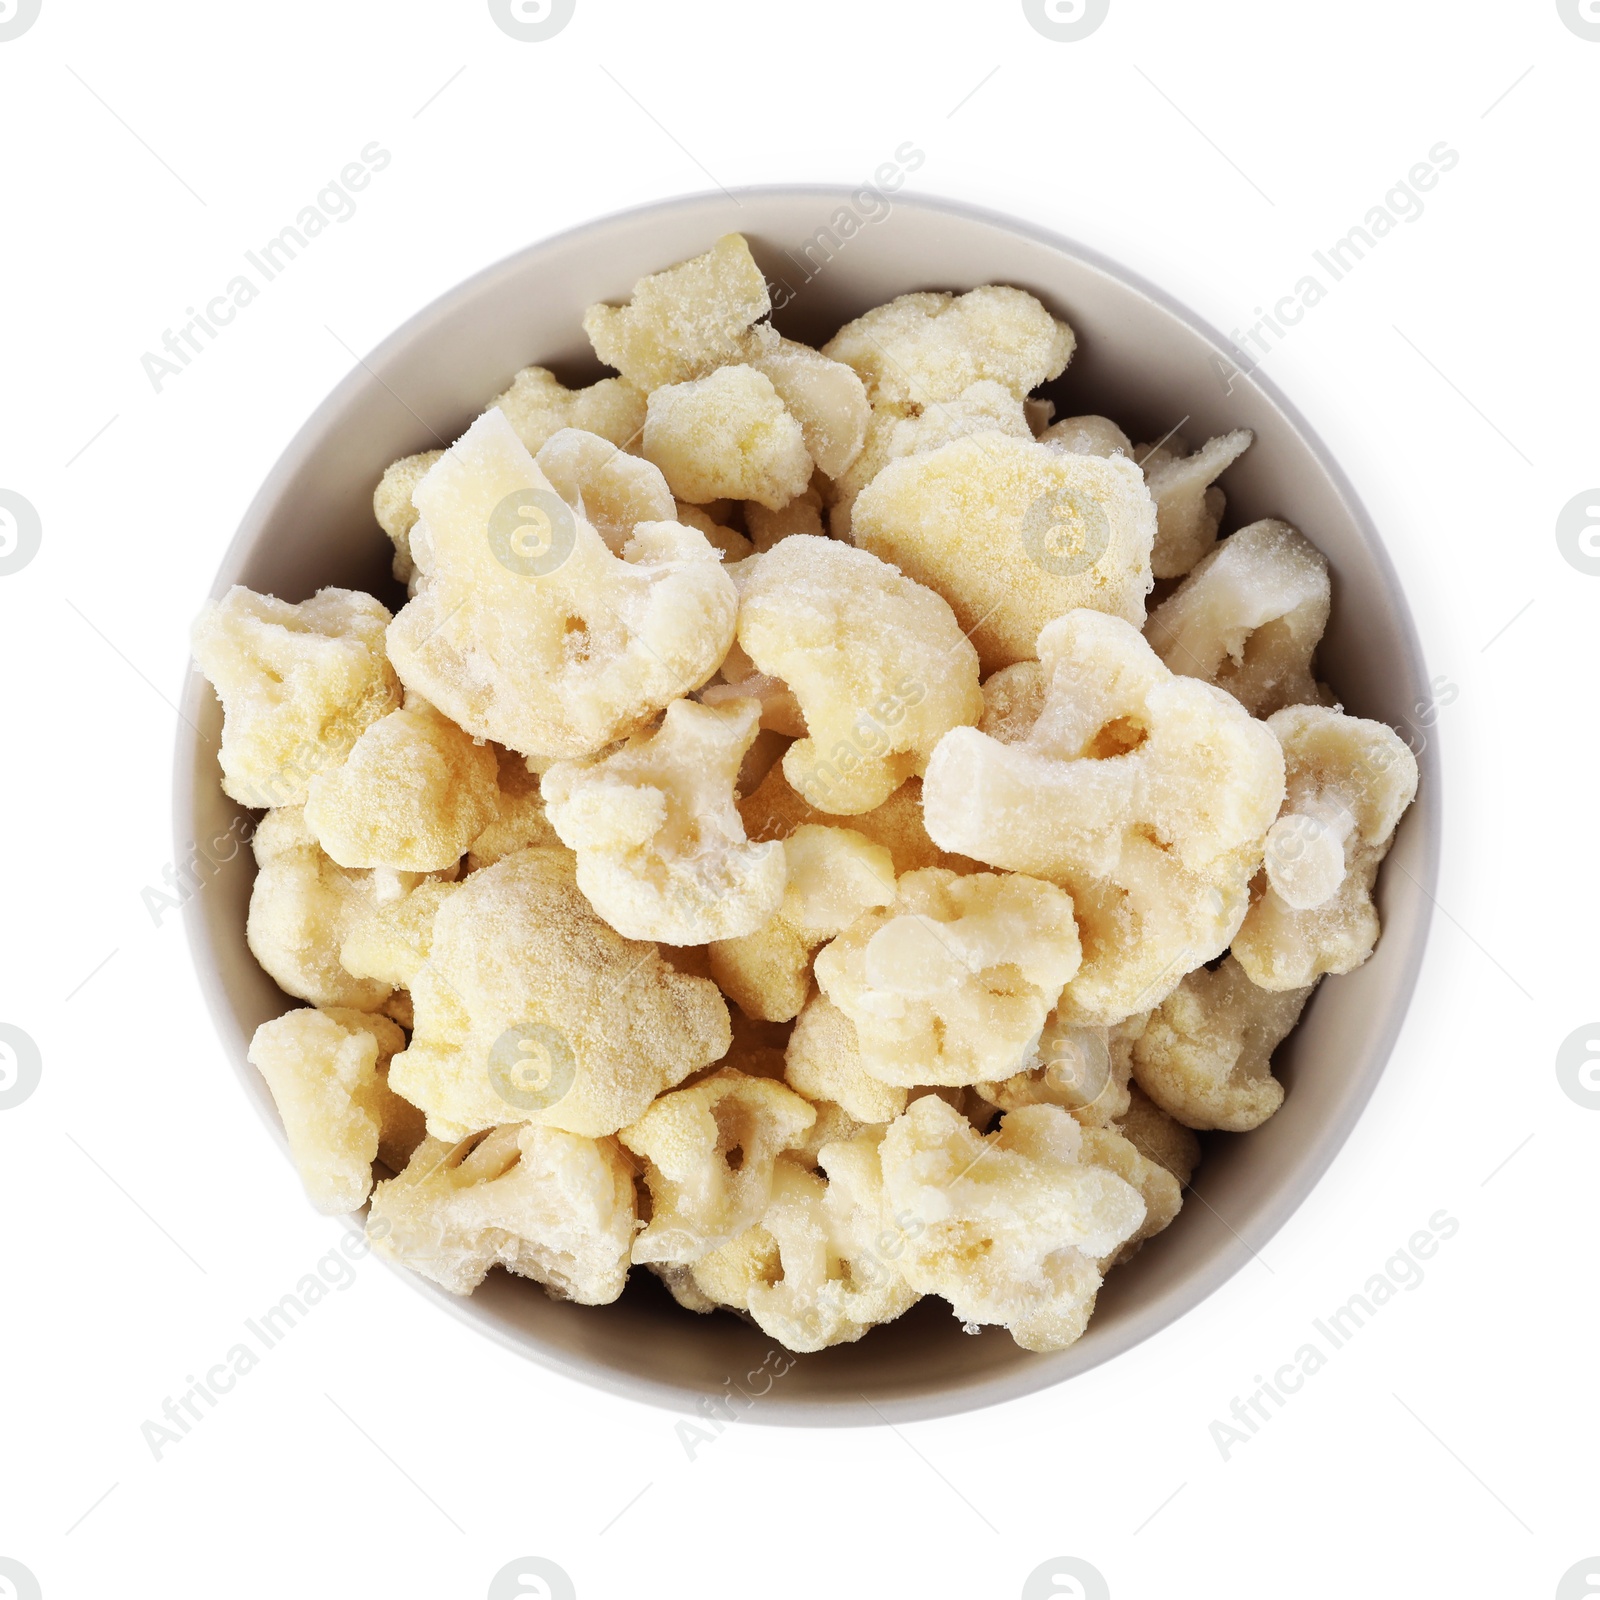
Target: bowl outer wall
[1143,359]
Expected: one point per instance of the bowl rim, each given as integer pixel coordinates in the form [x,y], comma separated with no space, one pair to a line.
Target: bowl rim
[1426,817]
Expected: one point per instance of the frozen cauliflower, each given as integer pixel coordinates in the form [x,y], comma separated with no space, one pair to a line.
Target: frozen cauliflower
[877,663]
[303,905]
[833,875]
[327,1071]
[824,396]
[391,940]
[1009,1230]
[923,349]
[823,1062]
[709,1154]
[1158,1137]
[953,982]
[1189,505]
[727,435]
[1082,1070]
[412,794]
[538,407]
[1087,436]
[527,630]
[684,322]
[611,490]
[543,1204]
[1249,618]
[662,852]
[1349,783]
[1147,795]
[529,1008]
[391,505]
[803,514]
[830,1286]
[1206,1056]
[519,819]
[298,684]
[1013,533]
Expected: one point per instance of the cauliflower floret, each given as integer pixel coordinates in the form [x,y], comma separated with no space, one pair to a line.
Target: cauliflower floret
[1013,533]
[1013,698]
[1159,1189]
[896,431]
[527,630]
[297,683]
[1206,1056]
[529,1008]
[1158,1137]
[709,1153]
[831,1286]
[547,1205]
[611,490]
[1148,796]
[1008,1229]
[538,406]
[391,505]
[834,874]
[519,819]
[1087,436]
[823,1062]
[412,794]
[1082,1070]
[926,348]
[685,321]
[327,1073]
[392,939]
[877,663]
[662,852]
[728,542]
[803,514]
[1349,783]
[824,396]
[1249,618]
[780,711]
[303,906]
[1189,505]
[952,984]
[727,435]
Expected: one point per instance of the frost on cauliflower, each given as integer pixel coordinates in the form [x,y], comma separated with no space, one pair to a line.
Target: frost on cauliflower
[823,1062]
[1013,533]
[519,820]
[538,407]
[610,489]
[529,1008]
[662,852]
[924,349]
[1349,783]
[896,431]
[878,664]
[547,1205]
[1189,505]
[1249,618]
[1082,1070]
[727,436]
[297,683]
[527,630]
[709,1153]
[824,396]
[684,322]
[391,505]
[1087,436]
[1009,1230]
[833,875]
[327,1071]
[1206,1056]
[1147,796]
[827,1285]
[303,905]
[412,794]
[953,982]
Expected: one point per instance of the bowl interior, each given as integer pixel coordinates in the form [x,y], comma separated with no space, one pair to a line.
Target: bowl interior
[1142,360]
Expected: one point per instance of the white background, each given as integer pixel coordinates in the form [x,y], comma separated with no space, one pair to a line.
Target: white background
[384,1448]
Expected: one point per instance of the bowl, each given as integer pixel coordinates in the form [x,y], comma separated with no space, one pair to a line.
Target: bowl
[1142,359]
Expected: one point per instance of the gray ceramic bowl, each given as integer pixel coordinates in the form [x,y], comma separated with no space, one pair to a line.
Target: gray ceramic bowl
[1141,359]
